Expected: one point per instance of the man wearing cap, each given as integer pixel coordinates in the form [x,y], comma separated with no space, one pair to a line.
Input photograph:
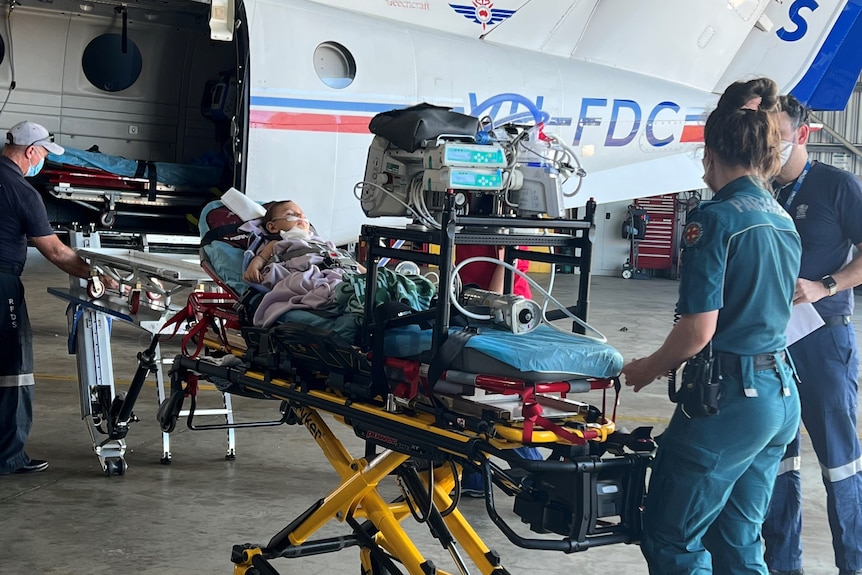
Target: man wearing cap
[23,216]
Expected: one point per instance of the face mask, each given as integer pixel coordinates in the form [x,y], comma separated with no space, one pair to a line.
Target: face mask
[35,169]
[786,150]
[295,233]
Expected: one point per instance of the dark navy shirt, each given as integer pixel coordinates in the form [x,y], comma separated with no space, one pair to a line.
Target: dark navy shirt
[741,257]
[22,215]
[827,211]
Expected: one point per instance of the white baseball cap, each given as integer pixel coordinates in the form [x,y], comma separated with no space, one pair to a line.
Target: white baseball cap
[32,134]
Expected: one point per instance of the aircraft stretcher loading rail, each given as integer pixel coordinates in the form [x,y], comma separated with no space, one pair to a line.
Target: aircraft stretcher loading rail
[146,284]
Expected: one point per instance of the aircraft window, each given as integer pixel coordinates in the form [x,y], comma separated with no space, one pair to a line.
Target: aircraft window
[2,50]
[109,64]
[334,65]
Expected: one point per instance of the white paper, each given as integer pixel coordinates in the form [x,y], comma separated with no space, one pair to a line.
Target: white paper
[240,204]
[803,320]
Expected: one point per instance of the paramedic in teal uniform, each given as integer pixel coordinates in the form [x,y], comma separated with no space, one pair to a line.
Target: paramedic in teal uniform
[713,474]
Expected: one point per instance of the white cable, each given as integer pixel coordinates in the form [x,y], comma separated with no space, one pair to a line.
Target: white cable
[417,200]
[410,210]
[362,185]
[571,153]
[454,299]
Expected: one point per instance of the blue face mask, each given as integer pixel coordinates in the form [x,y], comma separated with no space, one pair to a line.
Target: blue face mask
[35,169]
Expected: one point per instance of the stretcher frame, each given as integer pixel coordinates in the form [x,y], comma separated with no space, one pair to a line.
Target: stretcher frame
[416,435]
[410,431]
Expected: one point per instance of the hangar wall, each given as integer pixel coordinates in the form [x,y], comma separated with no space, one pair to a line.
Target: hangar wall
[610,251]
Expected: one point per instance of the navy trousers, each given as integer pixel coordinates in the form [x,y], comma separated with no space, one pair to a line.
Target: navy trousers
[828,365]
[16,374]
[713,477]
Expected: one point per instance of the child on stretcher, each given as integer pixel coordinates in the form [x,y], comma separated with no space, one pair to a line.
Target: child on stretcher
[301,271]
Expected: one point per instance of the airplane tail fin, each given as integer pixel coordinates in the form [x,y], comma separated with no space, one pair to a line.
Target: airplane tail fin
[830,80]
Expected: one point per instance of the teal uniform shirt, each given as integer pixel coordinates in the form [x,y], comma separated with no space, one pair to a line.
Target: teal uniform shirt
[741,256]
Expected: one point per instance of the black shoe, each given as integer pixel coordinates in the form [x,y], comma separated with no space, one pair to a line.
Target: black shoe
[793,572]
[33,466]
[472,492]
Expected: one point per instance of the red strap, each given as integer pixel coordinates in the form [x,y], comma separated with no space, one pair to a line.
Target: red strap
[178,318]
[200,326]
[533,416]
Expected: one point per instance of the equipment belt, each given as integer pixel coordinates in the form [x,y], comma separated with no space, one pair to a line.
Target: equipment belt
[729,363]
[836,320]
[12,270]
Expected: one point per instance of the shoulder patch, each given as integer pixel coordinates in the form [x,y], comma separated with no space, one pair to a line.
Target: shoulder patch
[692,234]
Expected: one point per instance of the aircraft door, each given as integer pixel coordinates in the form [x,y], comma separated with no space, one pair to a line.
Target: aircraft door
[239,121]
[225,99]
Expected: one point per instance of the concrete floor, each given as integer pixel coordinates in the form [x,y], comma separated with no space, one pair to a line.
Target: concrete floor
[184,517]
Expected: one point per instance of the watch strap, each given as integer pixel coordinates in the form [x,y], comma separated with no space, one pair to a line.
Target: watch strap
[830,284]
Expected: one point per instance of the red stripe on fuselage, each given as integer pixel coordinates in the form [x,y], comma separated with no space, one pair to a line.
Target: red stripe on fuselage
[309,122]
[691,133]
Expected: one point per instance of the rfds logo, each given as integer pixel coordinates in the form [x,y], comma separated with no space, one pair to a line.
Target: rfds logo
[482,12]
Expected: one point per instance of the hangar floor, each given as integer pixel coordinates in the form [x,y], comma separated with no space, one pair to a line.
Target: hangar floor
[184,517]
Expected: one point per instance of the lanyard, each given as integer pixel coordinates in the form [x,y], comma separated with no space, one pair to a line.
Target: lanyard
[796,186]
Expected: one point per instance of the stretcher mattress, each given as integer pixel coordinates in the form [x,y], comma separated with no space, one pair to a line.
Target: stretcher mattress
[192,176]
[544,354]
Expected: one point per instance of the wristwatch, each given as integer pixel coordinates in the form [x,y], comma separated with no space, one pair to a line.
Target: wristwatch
[830,284]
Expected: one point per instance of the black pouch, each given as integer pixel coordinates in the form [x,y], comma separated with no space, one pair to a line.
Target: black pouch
[408,128]
[700,392]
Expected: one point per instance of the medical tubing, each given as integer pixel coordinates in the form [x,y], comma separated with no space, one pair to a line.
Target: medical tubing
[578,172]
[362,185]
[454,297]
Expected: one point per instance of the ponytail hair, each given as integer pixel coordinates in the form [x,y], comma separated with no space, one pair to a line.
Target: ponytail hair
[743,129]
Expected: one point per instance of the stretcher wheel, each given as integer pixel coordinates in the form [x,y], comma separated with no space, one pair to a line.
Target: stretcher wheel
[155,296]
[95,288]
[627,274]
[108,219]
[134,301]
[115,466]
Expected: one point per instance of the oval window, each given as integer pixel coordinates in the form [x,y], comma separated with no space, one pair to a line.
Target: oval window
[2,49]
[110,64]
[334,65]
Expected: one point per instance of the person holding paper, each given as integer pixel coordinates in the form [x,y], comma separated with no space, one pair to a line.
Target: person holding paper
[826,206]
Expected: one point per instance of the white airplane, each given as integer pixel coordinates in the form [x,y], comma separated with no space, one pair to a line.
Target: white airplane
[284,89]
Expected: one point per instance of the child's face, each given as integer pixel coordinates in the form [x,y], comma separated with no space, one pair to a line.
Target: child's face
[288,216]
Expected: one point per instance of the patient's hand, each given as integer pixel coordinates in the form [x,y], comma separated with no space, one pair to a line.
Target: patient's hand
[252,275]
